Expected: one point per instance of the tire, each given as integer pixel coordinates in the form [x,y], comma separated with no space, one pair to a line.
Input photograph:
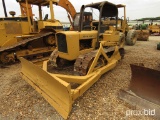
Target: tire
[131,37]
[158,46]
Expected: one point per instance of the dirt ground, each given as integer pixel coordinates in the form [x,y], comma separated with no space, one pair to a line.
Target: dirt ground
[18,100]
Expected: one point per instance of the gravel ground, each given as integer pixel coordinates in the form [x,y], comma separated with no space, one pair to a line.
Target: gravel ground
[18,100]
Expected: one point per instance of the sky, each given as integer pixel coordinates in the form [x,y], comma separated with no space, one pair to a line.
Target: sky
[135,9]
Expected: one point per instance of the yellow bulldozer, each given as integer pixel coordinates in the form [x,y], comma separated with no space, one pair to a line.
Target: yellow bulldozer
[24,36]
[79,60]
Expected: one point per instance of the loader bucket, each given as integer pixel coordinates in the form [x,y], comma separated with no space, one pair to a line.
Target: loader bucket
[53,89]
[145,83]
[143,35]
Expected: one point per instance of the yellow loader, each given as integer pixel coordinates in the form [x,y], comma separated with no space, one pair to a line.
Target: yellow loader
[81,58]
[130,34]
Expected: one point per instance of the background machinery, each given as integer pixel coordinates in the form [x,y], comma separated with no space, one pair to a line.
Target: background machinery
[73,16]
[142,30]
[66,4]
[24,36]
[91,51]
[149,24]
[154,29]
[130,35]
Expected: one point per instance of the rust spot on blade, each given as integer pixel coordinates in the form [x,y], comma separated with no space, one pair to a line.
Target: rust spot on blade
[145,83]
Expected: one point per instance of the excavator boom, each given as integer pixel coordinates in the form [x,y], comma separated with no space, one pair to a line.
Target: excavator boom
[66,4]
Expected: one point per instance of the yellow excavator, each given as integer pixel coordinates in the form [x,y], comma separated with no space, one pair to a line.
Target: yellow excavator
[87,53]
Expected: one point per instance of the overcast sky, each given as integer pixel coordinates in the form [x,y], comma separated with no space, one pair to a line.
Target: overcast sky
[135,9]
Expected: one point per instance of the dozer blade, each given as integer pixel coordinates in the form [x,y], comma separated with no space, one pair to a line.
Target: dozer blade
[53,89]
[145,83]
[59,89]
[144,89]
